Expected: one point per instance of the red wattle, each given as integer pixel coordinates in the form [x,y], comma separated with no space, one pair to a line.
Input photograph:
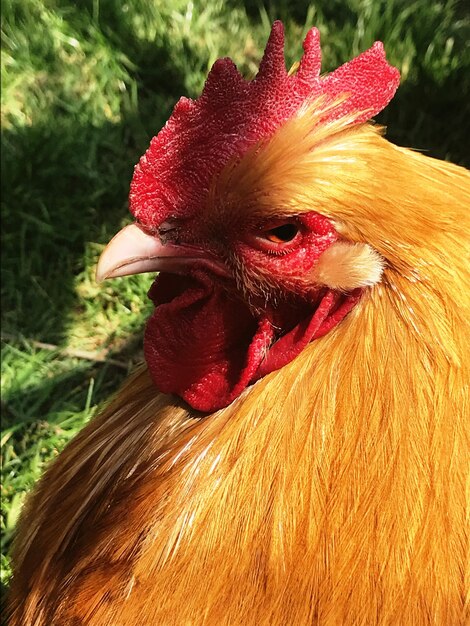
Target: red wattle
[203,343]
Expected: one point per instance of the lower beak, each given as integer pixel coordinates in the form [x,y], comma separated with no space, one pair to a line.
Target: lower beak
[133,251]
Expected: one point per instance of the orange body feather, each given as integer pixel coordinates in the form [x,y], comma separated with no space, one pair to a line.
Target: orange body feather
[332,492]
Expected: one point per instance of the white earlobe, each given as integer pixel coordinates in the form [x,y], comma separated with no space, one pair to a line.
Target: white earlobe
[345,266]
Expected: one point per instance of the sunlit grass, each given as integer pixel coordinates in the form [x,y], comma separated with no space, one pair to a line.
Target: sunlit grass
[85,86]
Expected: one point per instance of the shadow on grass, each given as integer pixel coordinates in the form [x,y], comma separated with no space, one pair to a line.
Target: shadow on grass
[432,117]
[66,185]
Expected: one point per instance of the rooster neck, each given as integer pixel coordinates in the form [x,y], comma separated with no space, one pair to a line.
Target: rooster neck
[321,484]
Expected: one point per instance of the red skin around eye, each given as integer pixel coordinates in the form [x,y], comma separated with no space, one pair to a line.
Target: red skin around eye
[290,259]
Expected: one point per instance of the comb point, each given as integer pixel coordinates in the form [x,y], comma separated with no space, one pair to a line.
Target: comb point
[310,64]
[272,65]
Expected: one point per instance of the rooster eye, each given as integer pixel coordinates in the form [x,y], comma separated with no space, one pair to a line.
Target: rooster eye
[282,234]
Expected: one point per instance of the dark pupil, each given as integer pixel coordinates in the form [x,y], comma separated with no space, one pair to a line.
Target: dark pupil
[286,232]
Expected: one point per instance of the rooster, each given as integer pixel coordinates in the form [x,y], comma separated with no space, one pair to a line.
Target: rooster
[296,450]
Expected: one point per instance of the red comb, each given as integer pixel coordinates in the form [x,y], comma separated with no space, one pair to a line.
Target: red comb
[201,136]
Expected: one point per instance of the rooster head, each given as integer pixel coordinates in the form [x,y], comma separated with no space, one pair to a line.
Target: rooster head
[251,269]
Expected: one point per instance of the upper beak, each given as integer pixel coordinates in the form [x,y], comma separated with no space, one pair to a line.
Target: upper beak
[133,251]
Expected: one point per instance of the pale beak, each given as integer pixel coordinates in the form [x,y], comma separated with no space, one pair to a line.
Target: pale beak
[133,251]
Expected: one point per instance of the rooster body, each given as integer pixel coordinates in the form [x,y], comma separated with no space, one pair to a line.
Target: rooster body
[331,491]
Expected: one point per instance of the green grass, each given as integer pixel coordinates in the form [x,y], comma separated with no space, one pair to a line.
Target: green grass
[85,85]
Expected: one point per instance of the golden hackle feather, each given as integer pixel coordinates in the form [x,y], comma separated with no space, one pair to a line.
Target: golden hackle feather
[332,492]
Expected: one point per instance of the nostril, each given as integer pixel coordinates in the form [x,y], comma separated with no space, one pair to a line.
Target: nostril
[165,227]
[168,232]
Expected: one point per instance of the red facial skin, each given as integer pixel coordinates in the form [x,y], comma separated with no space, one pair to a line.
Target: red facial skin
[285,265]
[282,265]
[213,335]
